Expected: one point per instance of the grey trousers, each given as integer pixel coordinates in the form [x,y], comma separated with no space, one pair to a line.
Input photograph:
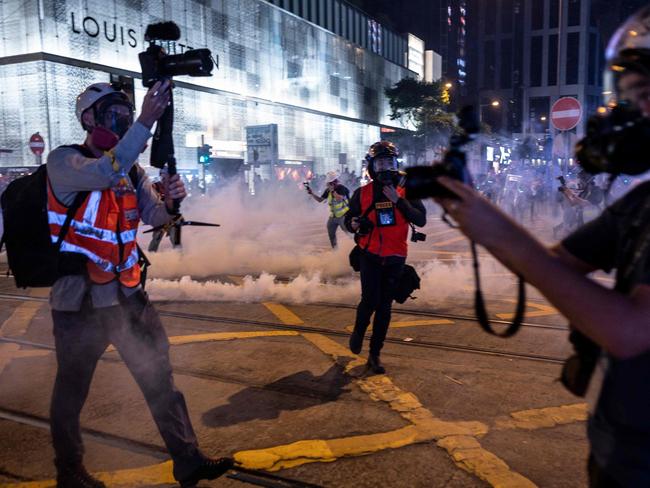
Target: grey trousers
[135,329]
[334,223]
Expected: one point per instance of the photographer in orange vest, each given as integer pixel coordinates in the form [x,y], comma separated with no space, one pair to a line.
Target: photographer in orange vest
[380,216]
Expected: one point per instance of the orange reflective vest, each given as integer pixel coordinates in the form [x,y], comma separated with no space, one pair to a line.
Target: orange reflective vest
[387,240]
[104,230]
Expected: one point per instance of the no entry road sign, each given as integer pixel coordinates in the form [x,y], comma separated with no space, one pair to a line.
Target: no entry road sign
[566,113]
[37,144]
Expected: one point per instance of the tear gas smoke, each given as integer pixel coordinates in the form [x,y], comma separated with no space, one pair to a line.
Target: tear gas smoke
[282,234]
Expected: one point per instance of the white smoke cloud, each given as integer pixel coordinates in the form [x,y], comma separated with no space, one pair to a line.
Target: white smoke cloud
[282,234]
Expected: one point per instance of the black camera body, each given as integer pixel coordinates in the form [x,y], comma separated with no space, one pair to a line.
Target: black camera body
[365,226]
[418,236]
[156,64]
[617,143]
[421,181]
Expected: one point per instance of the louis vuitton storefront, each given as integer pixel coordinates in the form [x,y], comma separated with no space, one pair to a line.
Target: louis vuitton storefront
[324,93]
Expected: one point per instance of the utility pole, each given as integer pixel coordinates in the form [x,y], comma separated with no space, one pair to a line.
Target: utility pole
[202,168]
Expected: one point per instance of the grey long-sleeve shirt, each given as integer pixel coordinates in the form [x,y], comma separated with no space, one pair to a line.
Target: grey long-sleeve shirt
[70,172]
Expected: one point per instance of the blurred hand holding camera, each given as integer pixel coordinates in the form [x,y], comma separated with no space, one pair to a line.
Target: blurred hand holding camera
[174,189]
[155,102]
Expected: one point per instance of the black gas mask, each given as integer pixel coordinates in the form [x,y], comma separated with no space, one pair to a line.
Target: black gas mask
[389,177]
[109,115]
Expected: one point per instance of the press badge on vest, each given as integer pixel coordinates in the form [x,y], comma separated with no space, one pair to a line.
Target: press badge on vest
[385,214]
[132,215]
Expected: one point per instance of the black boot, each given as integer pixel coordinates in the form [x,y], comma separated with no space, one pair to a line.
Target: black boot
[356,342]
[76,477]
[209,469]
[374,364]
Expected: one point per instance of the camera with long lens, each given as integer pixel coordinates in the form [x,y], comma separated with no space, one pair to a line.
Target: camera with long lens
[616,143]
[156,64]
[421,181]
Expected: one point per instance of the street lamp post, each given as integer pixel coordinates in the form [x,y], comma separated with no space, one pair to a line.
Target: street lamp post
[493,103]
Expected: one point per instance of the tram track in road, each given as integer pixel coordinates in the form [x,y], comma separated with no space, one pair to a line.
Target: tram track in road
[244,475]
[424,344]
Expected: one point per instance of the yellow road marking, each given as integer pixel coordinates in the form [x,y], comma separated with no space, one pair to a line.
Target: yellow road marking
[312,451]
[222,336]
[156,474]
[540,418]
[542,311]
[283,313]
[228,336]
[419,323]
[9,352]
[468,454]
[449,241]
[17,323]
[411,323]
[457,438]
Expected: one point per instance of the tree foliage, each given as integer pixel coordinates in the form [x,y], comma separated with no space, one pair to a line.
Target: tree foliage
[423,106]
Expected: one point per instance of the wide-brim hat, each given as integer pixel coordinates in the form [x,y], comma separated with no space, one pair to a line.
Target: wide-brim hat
[331,176]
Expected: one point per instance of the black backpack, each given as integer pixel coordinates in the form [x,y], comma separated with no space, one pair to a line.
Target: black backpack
[33,258]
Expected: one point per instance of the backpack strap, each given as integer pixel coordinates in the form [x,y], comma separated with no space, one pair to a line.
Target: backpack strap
[72,209]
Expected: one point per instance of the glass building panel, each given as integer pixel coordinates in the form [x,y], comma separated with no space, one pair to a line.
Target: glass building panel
[552,60]
[507,8]
[592,65]
[490,15]
[506,64]
[537,14]
[572,58]
[489,65]
[273,68]
[536,61]
[573,17]
[553,13]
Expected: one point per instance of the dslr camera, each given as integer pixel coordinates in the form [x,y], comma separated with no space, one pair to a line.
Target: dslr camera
[616,143]
[365,226]
[421,181]
[156,64]
[418,236]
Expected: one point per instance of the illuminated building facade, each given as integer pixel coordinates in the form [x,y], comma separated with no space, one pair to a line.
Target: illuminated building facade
[324,92]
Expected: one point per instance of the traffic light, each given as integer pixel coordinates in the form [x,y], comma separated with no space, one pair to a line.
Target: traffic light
[203,153]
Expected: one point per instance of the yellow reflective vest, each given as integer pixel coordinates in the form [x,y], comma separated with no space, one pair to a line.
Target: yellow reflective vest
[337,209]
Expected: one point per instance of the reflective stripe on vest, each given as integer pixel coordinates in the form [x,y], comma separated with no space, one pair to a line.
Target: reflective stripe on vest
[93,233]
[337,209]
[384,241]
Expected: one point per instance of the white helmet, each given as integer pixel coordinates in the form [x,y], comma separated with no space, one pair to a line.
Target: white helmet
[628,50]
[331,176]
[93,94]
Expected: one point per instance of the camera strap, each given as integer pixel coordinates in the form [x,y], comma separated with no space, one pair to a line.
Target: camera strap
[479,303]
